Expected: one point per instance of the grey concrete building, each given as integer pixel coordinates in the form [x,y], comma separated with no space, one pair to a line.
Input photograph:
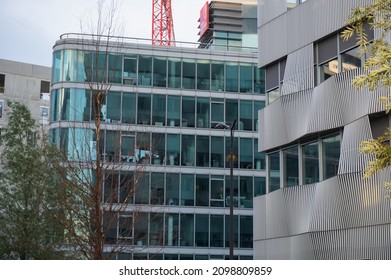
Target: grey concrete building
[317,205]
[28,84]
[228,25]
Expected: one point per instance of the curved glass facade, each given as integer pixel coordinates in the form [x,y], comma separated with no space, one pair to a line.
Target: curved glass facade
[161,112]
[164,72]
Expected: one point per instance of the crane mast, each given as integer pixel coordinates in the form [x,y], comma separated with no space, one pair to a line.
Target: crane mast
[162,23]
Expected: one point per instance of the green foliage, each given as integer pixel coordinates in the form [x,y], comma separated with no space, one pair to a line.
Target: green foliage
[27,229]
[377,71]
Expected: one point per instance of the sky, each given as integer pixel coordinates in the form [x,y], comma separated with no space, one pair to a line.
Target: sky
[29,28]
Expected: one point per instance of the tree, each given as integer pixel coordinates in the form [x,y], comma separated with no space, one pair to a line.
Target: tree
[377,71]
[95,190]
[27,231]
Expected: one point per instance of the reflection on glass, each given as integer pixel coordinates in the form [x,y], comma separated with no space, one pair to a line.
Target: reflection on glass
[311,163]
[246,192]
[328,69]
[274,171]
[217,76]
[203,75]
[159,110]
[202,230]
[188,80]
[246,115]
[173,149]
[217,151]
[129,108]
[188,150]
[216,230]
[172,229]
[173,110]
[246,231]
[291,167]
[188,111]
[145,71]
[217,113]
[174,72]
[172,189]
[144,109]
[157,188]
[351,60]
[202,190]
[331,153]
[187,230]
[273,95]
[159,72]
[113,107]
[246,78]
[217,192]
[202,151]
[246,153]
[231,77]
[130,71]
[187,189]
[203,112]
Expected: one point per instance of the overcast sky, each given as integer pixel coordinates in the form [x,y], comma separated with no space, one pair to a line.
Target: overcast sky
[29,28]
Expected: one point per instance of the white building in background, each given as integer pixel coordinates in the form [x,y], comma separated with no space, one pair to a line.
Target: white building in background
[28,84]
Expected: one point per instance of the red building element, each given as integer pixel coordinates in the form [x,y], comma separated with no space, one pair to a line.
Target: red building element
[162,23]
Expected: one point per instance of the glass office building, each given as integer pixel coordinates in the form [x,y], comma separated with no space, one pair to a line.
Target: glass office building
[161,111]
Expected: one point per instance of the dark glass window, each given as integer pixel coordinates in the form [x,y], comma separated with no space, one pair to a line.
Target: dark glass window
[311,163]
[202,151]
[159,110]
[331,153]
[203,75]
[130,71]
[145,71]
[188,77]
[217,76]
[231,77]
[274,171]
[291,167]
[173,110]
[113,107]
[159,72]
[202,190]
[174,72]
[129,108]
[144,109]
[188,111]
[202,230]
[246,78]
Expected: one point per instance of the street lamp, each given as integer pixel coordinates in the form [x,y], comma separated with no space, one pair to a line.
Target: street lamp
[231,187]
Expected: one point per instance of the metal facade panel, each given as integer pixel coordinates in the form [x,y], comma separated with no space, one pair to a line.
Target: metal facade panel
[344,217]
[351,160]
[300,26]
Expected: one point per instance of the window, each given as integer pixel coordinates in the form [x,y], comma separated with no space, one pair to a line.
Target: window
[310,163]
[159,72]
[217,191]
[125,227]
[189,67]
[2,83]
[274,171]
[351,60]
[45,89]
[203,75]
[331,153]
[291,167]
[1,108]
[130,71]
[145,71]
[44,115]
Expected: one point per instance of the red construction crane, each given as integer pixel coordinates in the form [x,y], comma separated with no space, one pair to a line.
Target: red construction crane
[162,23]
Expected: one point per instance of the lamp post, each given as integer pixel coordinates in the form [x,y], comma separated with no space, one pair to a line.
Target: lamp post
[231,186]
